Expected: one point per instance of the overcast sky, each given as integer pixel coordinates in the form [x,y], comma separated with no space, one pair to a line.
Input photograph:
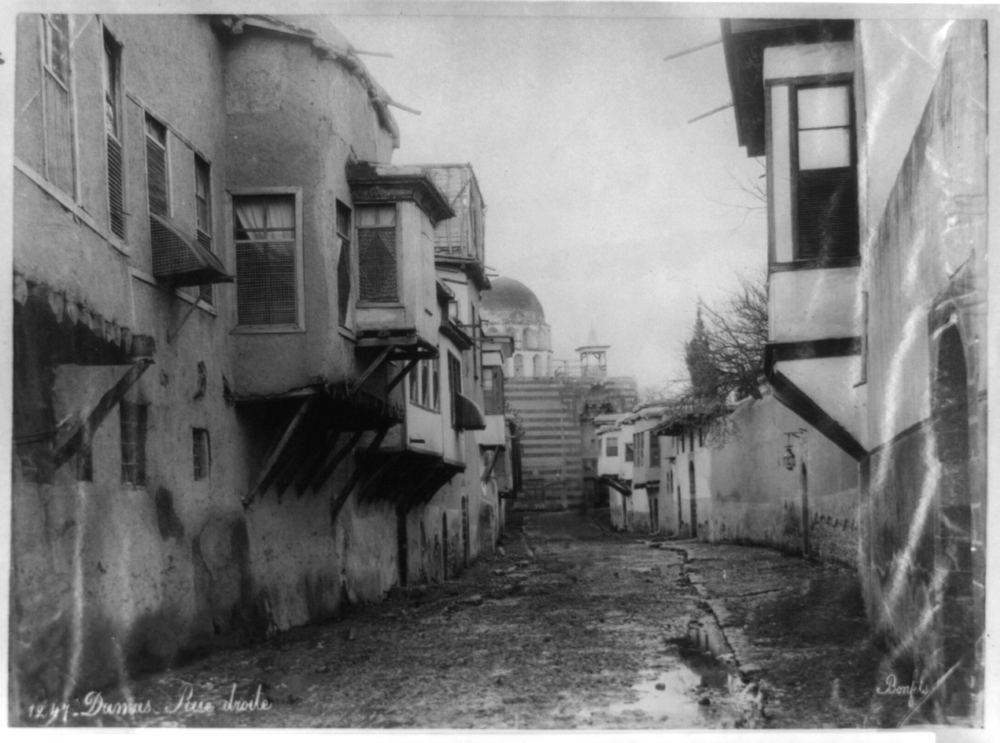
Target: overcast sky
[600,197]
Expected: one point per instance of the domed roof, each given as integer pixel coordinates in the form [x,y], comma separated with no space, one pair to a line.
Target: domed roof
[510,301]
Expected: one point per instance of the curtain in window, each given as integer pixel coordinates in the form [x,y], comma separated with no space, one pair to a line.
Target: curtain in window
[266,291]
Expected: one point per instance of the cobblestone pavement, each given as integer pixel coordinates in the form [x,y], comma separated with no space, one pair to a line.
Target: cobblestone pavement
[570,626]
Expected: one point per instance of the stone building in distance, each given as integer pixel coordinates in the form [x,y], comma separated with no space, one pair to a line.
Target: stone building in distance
[555,403]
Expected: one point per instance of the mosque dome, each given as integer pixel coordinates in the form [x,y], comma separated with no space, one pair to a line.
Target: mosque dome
[510,301]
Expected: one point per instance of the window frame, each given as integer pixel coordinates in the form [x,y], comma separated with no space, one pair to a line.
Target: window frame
[68,85]
[110,43]
[165,146]
[137,447]
[296,191]
[792,86]
[611,446]
[346,318]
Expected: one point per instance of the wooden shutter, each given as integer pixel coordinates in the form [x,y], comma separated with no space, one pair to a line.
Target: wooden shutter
[828,213]
[116,191]
[156,177]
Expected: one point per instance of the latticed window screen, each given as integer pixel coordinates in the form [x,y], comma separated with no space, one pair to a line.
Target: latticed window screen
[59,156]
[827,184]
[267,275]
[116,189]
[343,263]
[156,167]
[377,256]
[133,439]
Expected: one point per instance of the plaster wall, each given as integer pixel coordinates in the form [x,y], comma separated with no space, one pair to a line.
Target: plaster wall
[807,305]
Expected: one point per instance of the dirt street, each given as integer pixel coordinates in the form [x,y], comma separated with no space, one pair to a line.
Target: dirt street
[573,626]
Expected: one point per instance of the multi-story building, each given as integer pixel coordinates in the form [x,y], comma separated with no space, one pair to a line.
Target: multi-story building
[231,338]
[875,135]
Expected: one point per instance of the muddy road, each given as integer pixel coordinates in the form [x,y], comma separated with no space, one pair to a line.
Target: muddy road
[570,626]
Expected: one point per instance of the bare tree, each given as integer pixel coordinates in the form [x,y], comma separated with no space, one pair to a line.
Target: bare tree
[725,356]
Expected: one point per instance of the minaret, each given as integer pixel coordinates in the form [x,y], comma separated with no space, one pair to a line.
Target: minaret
[593,357]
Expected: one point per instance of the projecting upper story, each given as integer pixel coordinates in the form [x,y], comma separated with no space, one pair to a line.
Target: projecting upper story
[193,151]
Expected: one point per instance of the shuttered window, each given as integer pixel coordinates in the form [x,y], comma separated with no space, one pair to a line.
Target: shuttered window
[343,263]
[454,384]
[112,127]
[826,172]
[156,167]
[57,102]
[133,442]
[377,260]
[267,263]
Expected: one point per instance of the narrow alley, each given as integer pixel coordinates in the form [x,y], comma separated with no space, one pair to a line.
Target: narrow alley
[571,625]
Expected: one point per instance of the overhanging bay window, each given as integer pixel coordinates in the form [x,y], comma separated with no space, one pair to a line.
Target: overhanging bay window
[827,183]
[267,234]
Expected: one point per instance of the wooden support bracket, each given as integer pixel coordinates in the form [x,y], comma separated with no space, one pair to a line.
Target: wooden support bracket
[69,443]
[378,477]
[338,504]
[399,377]
[269,469]
[372,368]
[324,474]
[312,465]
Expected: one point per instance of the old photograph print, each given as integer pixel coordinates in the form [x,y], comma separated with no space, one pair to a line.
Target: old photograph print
[558,366]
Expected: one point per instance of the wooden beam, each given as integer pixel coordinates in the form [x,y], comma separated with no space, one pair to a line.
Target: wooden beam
[378,476]
[379,360]
[69,444]
[311,466]
[399,377]
[324,474]
[271,459]
[338,504]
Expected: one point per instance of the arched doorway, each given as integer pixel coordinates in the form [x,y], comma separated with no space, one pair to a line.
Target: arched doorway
[691,489]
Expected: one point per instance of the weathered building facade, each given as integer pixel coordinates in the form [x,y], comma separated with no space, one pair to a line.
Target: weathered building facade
[875,135]
[231,342]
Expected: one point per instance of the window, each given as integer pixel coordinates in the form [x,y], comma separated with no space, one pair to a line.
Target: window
[611,447]
[518,365]
[701,437]
[454,383]
[691,439]
[425,384]
[60,160]
[654,450]
[203,215]
[343,264]
[156,167]
[133,439]
[268,265]
[493,390]
[201,453]
[629,452]
[638,448]
[377,254]
[682,443]
[826,185]
[113,129]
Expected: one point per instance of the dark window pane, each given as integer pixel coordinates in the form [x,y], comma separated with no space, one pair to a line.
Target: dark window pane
[828,213]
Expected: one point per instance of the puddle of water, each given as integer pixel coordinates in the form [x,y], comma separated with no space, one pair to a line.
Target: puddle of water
[672,695]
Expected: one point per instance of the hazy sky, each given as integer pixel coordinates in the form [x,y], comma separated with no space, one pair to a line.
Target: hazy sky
[600,196]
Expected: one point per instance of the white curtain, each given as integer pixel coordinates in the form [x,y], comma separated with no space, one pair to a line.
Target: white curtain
[266,219]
